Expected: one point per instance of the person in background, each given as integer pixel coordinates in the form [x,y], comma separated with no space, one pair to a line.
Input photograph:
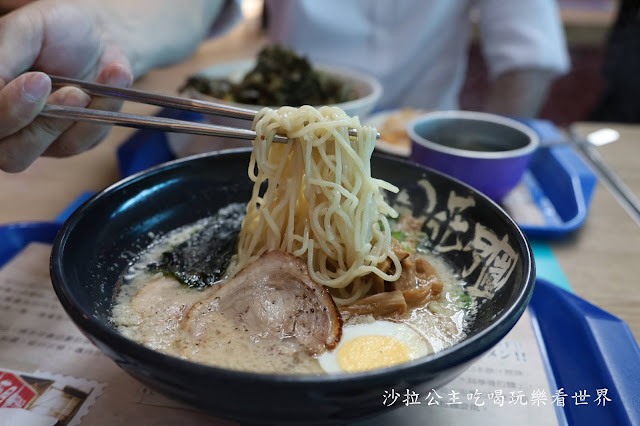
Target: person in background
[418,49]
[620,97]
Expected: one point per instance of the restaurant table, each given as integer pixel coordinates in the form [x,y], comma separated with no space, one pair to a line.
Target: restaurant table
[601,260]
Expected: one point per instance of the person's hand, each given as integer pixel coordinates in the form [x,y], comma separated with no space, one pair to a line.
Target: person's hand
[105,41]
[59,38]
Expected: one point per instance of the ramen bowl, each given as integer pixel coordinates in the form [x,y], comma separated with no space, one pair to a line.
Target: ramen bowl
[489,152]
[366,91]
[107,233]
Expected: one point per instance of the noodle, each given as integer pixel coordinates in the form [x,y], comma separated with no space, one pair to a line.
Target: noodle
[319,200]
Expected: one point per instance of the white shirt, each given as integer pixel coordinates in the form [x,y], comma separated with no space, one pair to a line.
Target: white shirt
[418,49]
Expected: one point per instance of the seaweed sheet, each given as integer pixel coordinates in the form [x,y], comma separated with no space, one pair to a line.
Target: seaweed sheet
[202,260]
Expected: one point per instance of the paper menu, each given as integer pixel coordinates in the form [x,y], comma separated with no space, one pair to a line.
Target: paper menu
[41,346]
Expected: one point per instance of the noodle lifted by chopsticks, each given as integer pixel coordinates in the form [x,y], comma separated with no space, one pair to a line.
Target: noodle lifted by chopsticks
[320,203]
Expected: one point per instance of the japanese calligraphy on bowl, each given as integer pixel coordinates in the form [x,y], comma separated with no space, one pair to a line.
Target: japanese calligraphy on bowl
[453,229]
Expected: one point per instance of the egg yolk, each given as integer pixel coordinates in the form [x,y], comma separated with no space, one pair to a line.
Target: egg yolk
[370,352]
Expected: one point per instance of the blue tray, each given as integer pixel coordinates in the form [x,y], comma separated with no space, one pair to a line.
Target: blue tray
[559,182]
[586,348]
[582,346]
[15,237]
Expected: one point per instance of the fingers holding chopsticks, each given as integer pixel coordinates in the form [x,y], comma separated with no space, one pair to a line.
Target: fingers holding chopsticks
[83,136]
[21,100]
[24,136]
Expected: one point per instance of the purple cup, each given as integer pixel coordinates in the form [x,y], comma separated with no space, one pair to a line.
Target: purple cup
[487,151]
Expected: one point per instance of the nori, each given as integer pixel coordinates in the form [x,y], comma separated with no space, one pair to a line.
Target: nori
[202,260]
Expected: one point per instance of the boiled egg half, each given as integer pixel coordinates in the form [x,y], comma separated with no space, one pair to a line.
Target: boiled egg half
[374,345]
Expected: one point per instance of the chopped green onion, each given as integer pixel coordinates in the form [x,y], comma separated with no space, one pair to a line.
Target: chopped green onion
[465,299]
[399,235]
[435,307]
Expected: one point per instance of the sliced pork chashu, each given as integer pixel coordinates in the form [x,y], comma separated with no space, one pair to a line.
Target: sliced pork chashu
[272,298]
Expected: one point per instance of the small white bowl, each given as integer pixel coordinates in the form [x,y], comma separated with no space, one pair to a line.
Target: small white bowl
[378,120]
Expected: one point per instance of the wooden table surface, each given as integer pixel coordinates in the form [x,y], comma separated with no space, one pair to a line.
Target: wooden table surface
[601,260]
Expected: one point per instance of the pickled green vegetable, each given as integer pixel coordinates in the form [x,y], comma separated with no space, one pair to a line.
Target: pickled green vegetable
[280,77]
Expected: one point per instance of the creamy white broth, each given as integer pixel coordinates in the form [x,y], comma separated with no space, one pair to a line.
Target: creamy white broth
[155,310]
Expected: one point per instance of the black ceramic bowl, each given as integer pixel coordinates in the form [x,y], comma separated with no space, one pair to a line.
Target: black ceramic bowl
[103,236]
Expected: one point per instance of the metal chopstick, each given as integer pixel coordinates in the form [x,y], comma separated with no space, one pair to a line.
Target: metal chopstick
[150,122]
[158,123]
[156,99]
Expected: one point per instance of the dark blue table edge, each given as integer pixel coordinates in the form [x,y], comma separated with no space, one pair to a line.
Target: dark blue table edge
[582,346]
